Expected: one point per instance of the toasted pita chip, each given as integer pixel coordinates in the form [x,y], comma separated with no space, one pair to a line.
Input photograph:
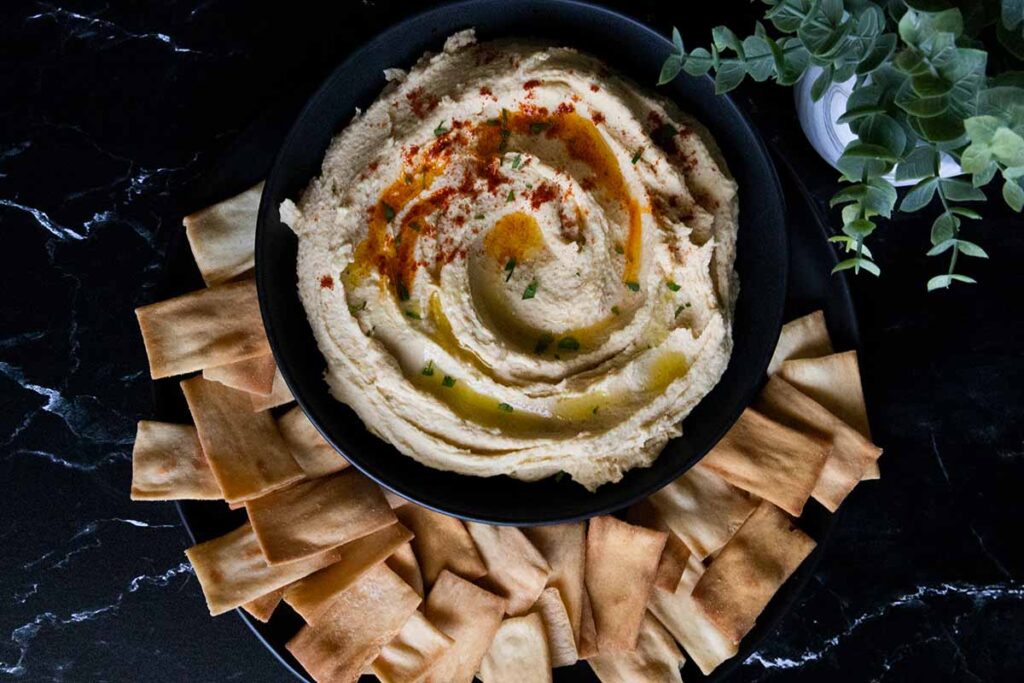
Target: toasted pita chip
[203,329]
[703,509]
[557,627]
[412,653]
[168,464]
[313,595]
[245,450]
[232,570]
[673,557]
[586,644]
[403,562]
[223,236]
[656,659]
[622,561]
[312,516]
[357,625]
[564,547]
[834,382]
[518,653]
[770,460]
[751,567]
[805,337]
[470,616]
[315,456]
[394,500]
[688,624]
[279,395]
[252,375]
[441,542]
[263,607]
[851,453]
[515,569]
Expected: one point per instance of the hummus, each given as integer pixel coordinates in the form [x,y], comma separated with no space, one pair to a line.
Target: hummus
[519,262]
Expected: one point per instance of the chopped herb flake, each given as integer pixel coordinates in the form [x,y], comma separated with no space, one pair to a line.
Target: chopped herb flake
[559,477]
[403,292]
[635,286]
[569,344]
[493,122]
[594,411]
[619,249]
[679,309]
[505,134]
[615,310]
[505,407]
[479,217]
[538,127]
[510,268]
[543,343]
[636,155]
[413,314]
[428,369]
[389,211]
[517,161]
[673,286]
[414,226]
[448,381]
[511,195]
[530,291]
[440,130]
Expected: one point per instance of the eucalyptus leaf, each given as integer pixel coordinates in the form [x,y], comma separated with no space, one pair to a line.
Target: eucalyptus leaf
[923,161]
[921,107]
[930,85]
[939,282]
[859,228]
[919,196]
[729,75]
[1013,13]
[821,83]
[1008,147]
[941,247]
[944,227]
[982,128]
[677,40]
[971,249]
[856,264]
[670,69]
[960,190]
[759,59]
[942,128]
[985,175]
[1013,195]
[858,112]
[870,151]
[724,38]
[1013,172]
[883,46]
[698,62]
[965,212]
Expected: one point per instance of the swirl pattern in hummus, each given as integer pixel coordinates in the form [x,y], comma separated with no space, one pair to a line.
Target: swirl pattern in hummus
[517,262]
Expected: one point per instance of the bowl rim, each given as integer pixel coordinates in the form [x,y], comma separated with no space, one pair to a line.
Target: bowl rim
[267,213]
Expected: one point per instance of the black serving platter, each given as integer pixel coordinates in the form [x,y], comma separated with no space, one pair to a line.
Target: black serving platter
[629,47]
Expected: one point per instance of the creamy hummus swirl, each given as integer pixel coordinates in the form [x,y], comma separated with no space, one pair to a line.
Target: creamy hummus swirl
[518,262]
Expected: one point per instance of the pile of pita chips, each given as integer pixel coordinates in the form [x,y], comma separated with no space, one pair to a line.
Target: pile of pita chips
[388,587]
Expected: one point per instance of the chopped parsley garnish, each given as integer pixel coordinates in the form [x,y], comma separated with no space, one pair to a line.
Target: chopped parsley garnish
[505,135]
[636,155]
[448,381]
[619,249]
[493,122]
[635,286]
[615,310]
[594,411]
[673,286]
[679,309]
[479,217]
[413,314]
[530,291]
[511,195]
[440,130]
[538,127]
[403,292]
[355,309]
[505,407]
[428,369]
[389,211]
[414,226]
[510,267]
[517,161]
[504,117]
[569,344]
[543,343]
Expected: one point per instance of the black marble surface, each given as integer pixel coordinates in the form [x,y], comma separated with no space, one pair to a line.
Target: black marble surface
[108,111]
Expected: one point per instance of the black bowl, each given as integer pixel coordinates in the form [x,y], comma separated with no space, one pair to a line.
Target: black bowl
[629,47]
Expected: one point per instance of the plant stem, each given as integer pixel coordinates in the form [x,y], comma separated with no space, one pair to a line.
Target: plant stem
[956,234]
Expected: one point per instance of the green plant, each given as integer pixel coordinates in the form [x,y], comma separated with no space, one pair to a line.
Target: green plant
[925,86]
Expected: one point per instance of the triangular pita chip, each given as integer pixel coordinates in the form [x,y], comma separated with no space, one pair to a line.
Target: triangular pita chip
[252,375]
[515,569]
[403,562]
[518,653]
[622,561]
[412,653]
[770,460]
[310,597]
[564,546]
[751,567]
[168,464]
[805,337]
[703,509]
[851,452]
[673,557]
[557,627]
[354,629]
[263,607]
[203,329]
[470,616]
[441,542]
[279,395]
[315,456]
[245,450]
[223,236]
[656,659]
[312,516]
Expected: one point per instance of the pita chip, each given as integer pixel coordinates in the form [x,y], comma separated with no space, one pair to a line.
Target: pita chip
[310,597]
[279,395]
[232,570]
[703,509]
[168,464]
[515,569]
[706,645]
[223,236]
[557,627]
[673,557]
[263,607]
[470,616]
[586,644]
[805,337]
[622,562]
[315,456]
[518,653]
[253,375]
[412,653]
[441,542]
[245,450]
[564,547]
[312,516]
[656,659]
[203,329]
[851,452]
[751,567]
[356,627]
[403,562]
[770,460]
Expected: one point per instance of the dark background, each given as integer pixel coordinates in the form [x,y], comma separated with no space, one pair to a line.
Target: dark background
[108,113]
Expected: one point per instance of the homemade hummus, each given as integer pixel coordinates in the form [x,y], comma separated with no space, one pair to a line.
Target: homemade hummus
[519,262]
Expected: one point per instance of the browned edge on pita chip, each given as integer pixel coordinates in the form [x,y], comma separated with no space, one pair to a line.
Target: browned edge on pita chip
[742,579]
[805,337]
[252,375]
[245,450]
[515,569]
[656,659]
[168,464]
[586,645]
[403,562]
[564,546]
[411,654]
[279,395]
[676,553]
[263,607]
[622,561]
[557,627]
[441,542]
[223,236]
[312,516]
[315,456]
[518,653]
[203,329]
